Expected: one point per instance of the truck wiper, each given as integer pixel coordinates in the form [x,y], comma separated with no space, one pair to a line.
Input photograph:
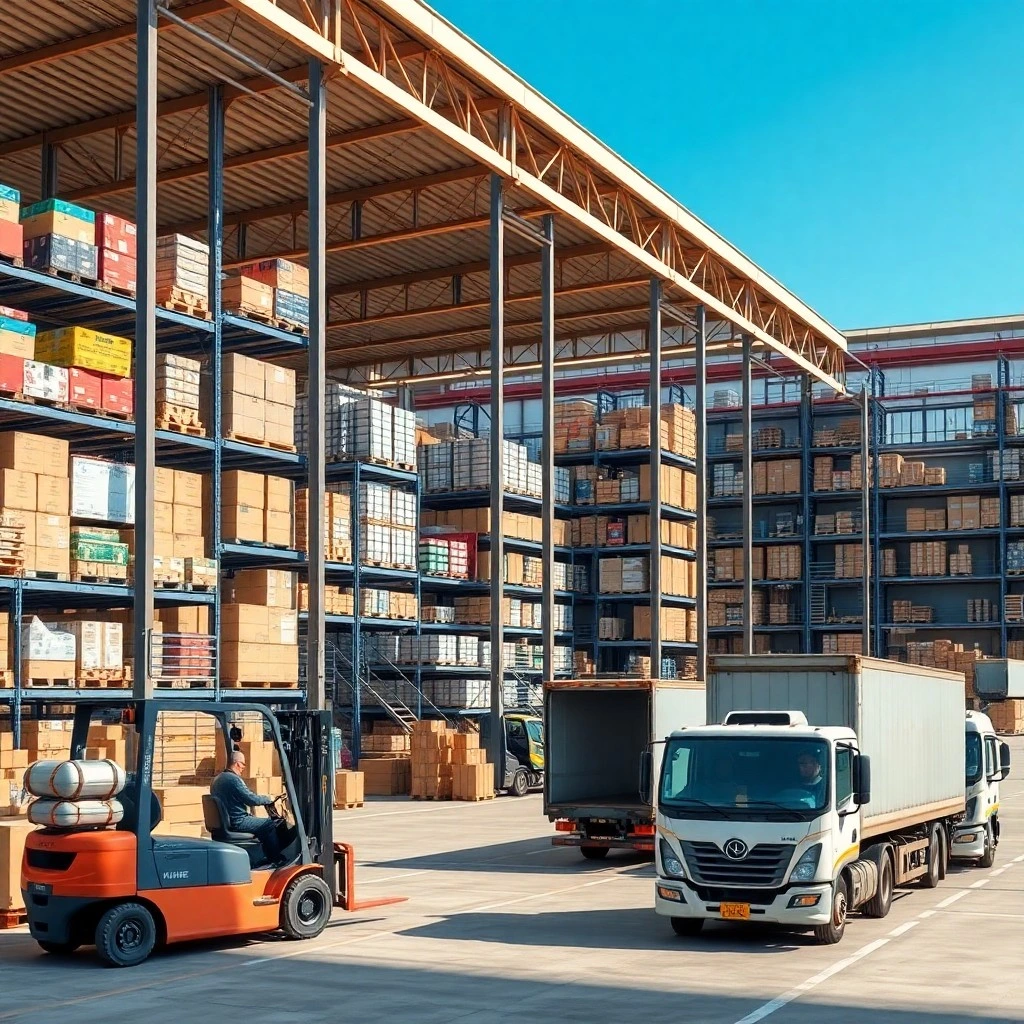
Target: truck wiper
[779,807]
[720,811]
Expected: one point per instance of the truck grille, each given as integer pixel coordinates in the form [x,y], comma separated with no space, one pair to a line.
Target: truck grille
[764,864]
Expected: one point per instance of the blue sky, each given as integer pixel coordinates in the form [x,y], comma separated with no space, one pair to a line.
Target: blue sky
[867,153]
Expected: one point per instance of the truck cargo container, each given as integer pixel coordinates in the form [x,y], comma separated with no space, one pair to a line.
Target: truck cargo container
[999,679]
[828,782]
[598,732]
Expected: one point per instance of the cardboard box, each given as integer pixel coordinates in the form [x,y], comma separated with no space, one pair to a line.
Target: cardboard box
[240,294]
[188,520]
[245,662]
[10,204]
[85,388]
[279,494]
[18,489]
[243,376]
[32,452]
[51,531]
[188,488]
[163,489]
[85,348]
[240,487]
[17,337]
[242,523]
[13,834]
[12,240]
[274,588]
[278,528]
[57,217]
[279,424]
[192,547]
[284,274]
[117,270]
[119,395]
[163,517]
[279,384]
[12,370]
[102,490]
[348,789]
[243,416]
[53,495]
[116,234]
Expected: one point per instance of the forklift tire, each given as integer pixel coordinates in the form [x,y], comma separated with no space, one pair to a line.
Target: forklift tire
[58,948]
[306,907]
[520,783]
[594,852]
[125,935]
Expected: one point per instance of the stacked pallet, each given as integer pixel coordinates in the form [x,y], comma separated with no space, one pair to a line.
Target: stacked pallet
[964,513]
[677,624]
[1007,717]
[1005,465]
[1013,611]
[784,562]
[630,428]
[777,476]
[890,469]
[960,562]
[725,607]
[349,787]
[337,523]
[183,274]
[849,561]
[888,561]
[448,765]
[726,564]
[270,289]
[574,427]
[823,470]
[842,643]
[257,509]
[259,630]
[928,558]
[980,609]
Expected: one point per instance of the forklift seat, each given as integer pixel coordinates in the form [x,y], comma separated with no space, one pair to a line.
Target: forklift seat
[216,820]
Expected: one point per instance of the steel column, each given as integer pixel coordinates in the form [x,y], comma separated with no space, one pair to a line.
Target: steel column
[654,399]
[49,183]
[806,485]
[215,235]
[145,341]
[316,696]
[547,446]
[877,526]
[17,612]
[1002,381]
[748,504]
[496,738]
[865,513]
[701,415]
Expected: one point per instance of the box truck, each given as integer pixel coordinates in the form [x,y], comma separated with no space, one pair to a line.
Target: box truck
[826,782]
[987,763]
[598,733]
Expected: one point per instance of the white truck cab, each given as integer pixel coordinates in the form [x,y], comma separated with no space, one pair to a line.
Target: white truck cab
[987,764]
[755,823]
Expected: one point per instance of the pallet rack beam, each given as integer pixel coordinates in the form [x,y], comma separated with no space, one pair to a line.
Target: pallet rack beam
[316,388]
[145,341]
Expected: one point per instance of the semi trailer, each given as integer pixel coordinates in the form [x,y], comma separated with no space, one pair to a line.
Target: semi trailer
[598,731]
[826,783]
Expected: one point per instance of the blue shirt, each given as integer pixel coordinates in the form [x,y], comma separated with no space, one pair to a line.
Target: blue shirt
[236,796]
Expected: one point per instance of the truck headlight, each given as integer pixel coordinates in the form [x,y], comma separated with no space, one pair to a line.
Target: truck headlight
[807,866]
[671,864]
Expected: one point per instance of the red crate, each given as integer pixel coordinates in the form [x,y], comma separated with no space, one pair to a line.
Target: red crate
[12,373]
[116,234]
[85,388]
[117,270]
[118,395]
[12,239]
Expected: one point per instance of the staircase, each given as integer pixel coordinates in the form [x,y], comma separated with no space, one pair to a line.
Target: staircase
[817,604]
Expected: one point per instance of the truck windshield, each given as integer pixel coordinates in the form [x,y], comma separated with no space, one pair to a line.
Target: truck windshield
[744,776]
[974,762]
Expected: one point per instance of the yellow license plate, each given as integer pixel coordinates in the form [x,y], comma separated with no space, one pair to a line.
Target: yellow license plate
[735,911]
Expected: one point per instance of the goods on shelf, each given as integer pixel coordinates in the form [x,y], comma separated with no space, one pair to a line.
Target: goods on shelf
[725,607]
[991,513]
[98,648]
[337,523]
[963,513]
[960,561]
[734,644]
[727,564]
[907,611]
[48,654]
[178,385]
[780,611]
[515,525]
[845,433]
[849,561]
[574,427]
[10,206]
[258,645]
[258,402]
[631,428]
[1007,717]
[85,348]
[841,643]
[247,296]
[445,556]
[610,627]
[677,624]
[274,588]
[1013,611]
[726,481]
[981,609]
[888,561]
[678,534]
[289,288]
[890,468]
[857,472]
[183,272]
[257,508]
[777,476]
[102,490]
[784,562]
[387,604]
[17,337]
[1005,465]
[337,600]
[725,398]
[928,558]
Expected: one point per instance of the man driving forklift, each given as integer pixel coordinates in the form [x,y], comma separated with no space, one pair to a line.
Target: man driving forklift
[236,799]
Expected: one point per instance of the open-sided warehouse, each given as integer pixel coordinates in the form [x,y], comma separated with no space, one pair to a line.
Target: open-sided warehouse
[453,222]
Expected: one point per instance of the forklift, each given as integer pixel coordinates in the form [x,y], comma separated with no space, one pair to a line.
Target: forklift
[524,750]
[127,890]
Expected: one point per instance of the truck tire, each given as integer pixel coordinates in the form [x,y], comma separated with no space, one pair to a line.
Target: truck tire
[520,783]
[930,879]
[687,926]
[831,933]
[988,858]
[880,904]
[594,852]
[125,935]
[306,907]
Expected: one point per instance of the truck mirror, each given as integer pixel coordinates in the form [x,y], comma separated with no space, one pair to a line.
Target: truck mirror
[862,779]
[646,776]
[1004,760]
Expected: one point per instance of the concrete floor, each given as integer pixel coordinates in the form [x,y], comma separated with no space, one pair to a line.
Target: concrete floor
[501,927]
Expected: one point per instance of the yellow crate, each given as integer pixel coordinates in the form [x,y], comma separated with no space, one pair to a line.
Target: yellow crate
[85,348]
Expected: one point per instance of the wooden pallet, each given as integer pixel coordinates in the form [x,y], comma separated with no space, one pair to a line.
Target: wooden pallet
[472,799]
[387,463]
[185,302]
[90,410]
[67,275]
[98,683]
[114,289]
[256,544]
[232,435]
[11,261]
[85,571]
[65,682]
[261,316]
[237,684]
[417,797]
[348,807]
[53,577]
[6,679]
[12,919]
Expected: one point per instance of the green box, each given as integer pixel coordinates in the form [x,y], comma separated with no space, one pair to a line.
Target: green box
[109,552]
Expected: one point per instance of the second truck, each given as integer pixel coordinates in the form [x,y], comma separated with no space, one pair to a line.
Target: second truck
[828,782]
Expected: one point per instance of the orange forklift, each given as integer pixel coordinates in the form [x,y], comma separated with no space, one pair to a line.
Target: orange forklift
[127,890]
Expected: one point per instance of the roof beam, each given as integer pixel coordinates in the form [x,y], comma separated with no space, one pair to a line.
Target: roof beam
[353,195]
[463,307]
[270,16]
[462,269]
[239,161]
[104,37]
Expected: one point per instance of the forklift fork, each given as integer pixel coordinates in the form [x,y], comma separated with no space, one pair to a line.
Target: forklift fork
[345,882]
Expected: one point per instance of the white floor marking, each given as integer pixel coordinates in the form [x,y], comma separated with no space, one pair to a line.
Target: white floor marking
[305,949]
[805,986]
[536,896]
[925,914]
[980,883]
[903,929]
[391,878]
[952,899]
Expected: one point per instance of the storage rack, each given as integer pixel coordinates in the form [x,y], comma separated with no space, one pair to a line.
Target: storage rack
[611,656]
[53,301]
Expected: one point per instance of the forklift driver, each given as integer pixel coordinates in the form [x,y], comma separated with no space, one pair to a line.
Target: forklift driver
[237,800]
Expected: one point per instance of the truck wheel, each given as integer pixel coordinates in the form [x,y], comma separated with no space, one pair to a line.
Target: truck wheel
[125,935]
[687,926]
[520,783]
[594,852]
[831,933]
[305,907]
[930,879]
[880,904]
[988,858]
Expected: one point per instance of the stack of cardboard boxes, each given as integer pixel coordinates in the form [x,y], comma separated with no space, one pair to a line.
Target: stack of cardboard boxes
[259,630]
[60,236]
[258,402]
[928,558]
[778,476]
[448,765]
[289,283]
[842,643]
[630,428]
[183,272]
[574,427]
[11,232]
[337,523]
[180,512]
[257,509]
[349,787]
[37,502]
[677,624]
[178,392]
